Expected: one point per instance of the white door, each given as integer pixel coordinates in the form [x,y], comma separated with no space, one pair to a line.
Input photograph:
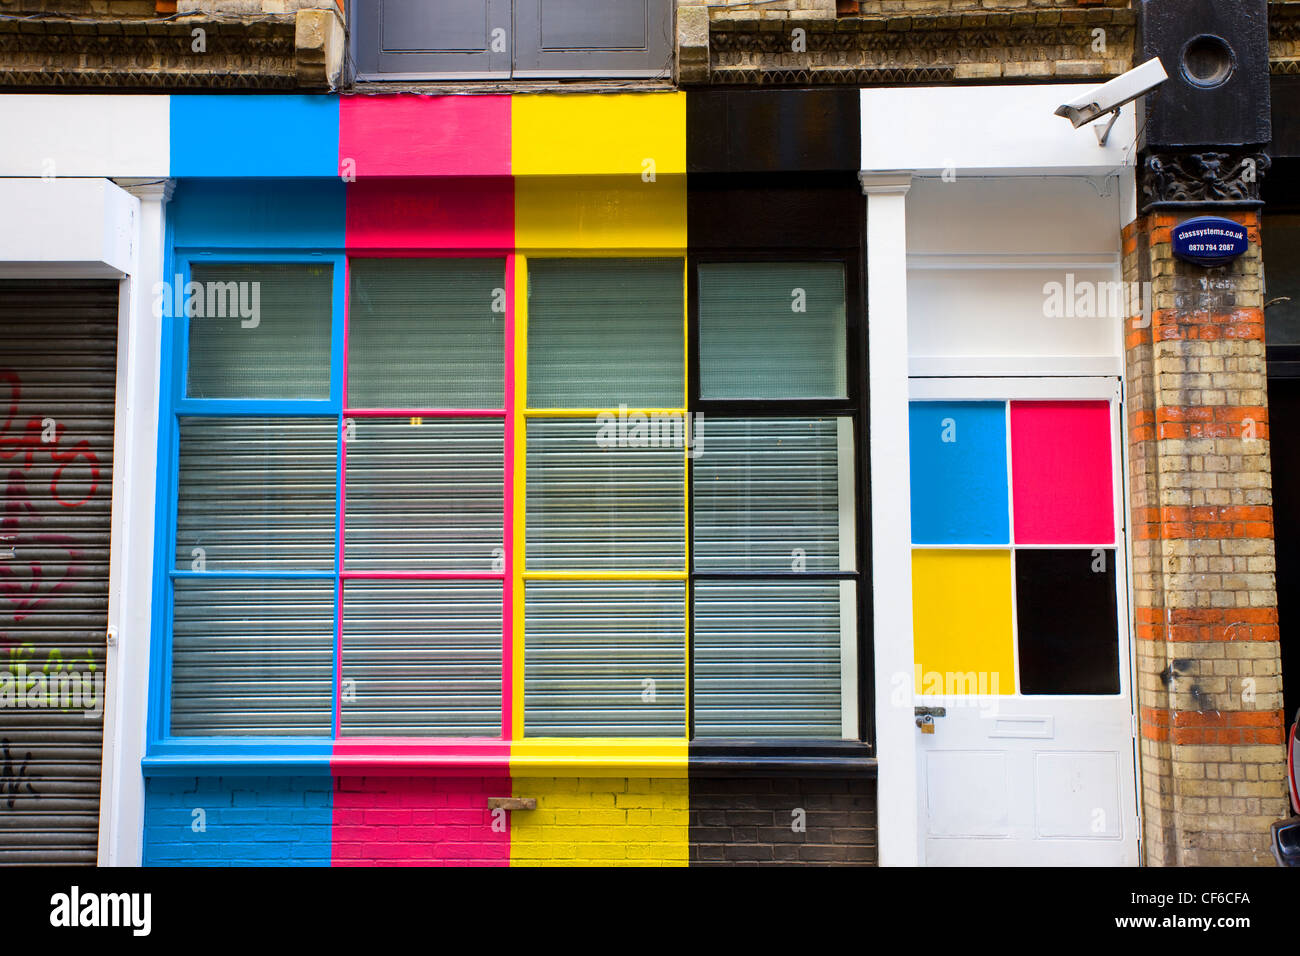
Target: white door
[1020,607]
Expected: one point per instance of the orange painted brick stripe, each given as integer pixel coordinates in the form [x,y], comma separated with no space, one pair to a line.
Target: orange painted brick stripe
[1213,727]
[1192,625]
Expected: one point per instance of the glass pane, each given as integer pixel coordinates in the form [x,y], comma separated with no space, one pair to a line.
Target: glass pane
[773,494]
[260,330]
[604,658]
[767,657]
[1281,237]
[426,333]
[257,494]
[772,330]
[605,332]
[1067,624]
[423,658]
[425,497]
[592,505]
[252,657]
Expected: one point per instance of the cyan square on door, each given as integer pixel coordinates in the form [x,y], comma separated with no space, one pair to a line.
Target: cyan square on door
[959,473]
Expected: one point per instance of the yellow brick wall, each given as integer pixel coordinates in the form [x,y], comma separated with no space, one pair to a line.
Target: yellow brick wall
[601,821]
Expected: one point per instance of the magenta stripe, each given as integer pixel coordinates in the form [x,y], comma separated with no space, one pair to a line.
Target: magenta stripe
[422,576]
[425,412]
[507,525]
[343,506]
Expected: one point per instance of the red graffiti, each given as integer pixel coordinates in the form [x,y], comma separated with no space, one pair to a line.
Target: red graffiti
[40,435]
[27,587]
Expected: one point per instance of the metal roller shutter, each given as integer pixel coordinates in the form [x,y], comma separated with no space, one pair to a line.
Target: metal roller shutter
[58,375]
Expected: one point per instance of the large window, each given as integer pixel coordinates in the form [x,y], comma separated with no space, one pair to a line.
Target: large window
[462,511]
[339,535]
[774,569]
[495,39]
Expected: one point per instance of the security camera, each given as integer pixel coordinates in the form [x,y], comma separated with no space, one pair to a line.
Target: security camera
[1111,96]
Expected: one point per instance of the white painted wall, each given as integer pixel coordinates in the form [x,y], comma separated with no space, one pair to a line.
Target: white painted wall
[65,228]
[986,255]
[92,134]
[1004,130]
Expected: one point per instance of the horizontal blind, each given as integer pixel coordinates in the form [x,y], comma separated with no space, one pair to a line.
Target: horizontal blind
[772,330]
[426,497]
[256,494]
[604,658]
[279,351]
[604,332]
[767,495]
[767,658]
[594,506]
[58,375]
[426,333]
[252,657]
[421,658]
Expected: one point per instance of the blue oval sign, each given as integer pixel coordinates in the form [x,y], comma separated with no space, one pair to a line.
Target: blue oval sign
[1209,240]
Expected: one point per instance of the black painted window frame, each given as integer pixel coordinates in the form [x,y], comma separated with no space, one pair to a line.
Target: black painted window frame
[854,407]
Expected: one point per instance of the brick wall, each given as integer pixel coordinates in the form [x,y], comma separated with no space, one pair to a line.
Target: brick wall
[783,820]
[1209,685]
[237,821]
[601,821]
[420,821]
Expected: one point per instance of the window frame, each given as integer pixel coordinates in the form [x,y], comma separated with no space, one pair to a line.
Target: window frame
[523,412]
[364,16]
[852,406]
[175,405]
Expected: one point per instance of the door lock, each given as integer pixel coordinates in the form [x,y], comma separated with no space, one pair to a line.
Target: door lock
[925,717]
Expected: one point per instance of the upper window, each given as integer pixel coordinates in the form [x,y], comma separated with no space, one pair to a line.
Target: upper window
[496,39]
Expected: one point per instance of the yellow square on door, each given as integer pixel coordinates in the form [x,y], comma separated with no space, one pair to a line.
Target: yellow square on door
[961,616]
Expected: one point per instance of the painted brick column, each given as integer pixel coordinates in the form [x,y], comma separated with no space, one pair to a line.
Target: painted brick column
[1209,689]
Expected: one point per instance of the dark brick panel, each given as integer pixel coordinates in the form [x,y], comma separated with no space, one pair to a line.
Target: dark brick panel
[751,821]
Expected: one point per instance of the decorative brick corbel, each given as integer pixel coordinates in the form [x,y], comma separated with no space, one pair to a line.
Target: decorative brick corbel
[318,48]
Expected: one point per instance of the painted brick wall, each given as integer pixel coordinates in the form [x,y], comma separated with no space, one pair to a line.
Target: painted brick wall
[783,820]
[601,821]
[237,821]
[420,821]
[1205,609]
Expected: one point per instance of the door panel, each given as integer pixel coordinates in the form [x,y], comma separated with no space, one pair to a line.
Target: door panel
[399,39]
[581,38]
[1020,627]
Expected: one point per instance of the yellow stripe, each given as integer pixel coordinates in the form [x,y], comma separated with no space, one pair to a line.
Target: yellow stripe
[604,575]
[599,756]
[686,483]
[593,412]
[583,134]
[521,450]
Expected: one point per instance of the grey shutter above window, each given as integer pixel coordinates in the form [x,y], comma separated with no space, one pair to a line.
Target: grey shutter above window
[631,38]
[423,39]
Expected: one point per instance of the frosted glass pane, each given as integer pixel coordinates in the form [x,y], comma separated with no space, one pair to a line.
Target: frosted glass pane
[260,330]
[605,332]
[426,333]
[772,330]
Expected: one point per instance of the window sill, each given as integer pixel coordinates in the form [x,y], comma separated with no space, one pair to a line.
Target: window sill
[781,757]
[545,757]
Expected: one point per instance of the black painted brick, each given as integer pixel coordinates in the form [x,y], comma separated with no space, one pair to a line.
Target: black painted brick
[746,821]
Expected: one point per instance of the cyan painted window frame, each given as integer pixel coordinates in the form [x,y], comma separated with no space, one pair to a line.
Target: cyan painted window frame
[165,752]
